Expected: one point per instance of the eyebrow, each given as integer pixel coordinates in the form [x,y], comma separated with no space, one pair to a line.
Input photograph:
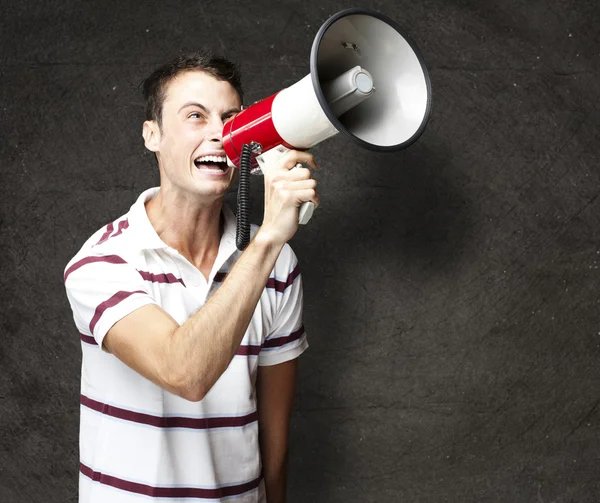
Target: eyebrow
[203,108]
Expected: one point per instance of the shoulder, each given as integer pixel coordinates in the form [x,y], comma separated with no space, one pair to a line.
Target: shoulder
[111,244]
[123,236]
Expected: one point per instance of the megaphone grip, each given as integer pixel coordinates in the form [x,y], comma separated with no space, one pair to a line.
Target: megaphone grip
[306,209]
[242,233]
[305,212]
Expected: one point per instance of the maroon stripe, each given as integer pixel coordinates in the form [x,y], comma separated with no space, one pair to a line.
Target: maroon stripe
[109,228]
[160,278]
[168,492]
[280,341]
[280,286]
[88,339]
[195,423]
[113,301]
[111,259]
[248,350]
[220,277]
[123,224]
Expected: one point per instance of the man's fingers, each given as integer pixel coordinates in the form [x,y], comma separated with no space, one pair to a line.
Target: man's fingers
[293,175]
[297,191]
[306,195]
[294,157]
[292,180]
[309,183]
[305,190]
[299,173]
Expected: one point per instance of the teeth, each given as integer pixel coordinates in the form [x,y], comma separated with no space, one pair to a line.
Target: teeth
[211,158]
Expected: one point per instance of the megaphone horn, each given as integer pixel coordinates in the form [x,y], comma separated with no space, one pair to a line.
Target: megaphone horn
[367,80]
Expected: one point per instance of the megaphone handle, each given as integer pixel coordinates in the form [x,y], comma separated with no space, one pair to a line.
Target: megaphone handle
[305,212]
[306,209]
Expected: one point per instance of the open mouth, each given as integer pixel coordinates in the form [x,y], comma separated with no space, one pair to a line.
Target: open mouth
[212,162]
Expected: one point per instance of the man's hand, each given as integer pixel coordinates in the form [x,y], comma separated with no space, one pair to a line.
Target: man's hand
[286,188]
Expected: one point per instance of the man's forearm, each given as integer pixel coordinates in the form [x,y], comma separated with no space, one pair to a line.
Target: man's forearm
[275,477]
[200,350]
[275,389]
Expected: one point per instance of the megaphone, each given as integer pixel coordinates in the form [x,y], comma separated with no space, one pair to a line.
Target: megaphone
[367,81]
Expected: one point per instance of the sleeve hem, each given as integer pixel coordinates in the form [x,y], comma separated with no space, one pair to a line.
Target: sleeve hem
[116,314]
[283,356]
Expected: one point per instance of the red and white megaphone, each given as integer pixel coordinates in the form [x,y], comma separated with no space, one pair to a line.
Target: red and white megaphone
[367,80]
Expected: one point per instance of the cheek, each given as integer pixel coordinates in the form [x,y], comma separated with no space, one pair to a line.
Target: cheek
[181,144]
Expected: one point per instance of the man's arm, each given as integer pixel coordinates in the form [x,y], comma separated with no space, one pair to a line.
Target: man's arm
[275,388]
[188,359]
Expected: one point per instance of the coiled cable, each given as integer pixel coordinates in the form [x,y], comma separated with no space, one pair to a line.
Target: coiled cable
[242,233]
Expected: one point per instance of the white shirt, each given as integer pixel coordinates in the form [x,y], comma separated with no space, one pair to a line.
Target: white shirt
[138,441]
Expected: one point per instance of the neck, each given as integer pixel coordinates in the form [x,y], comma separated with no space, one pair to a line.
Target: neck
[190,226]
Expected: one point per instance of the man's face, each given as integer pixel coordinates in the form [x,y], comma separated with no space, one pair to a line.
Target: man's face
[196,106]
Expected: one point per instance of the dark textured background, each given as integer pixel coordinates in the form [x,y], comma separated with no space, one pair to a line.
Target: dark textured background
[451,289]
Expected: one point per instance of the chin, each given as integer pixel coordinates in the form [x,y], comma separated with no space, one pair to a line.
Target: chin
[214,189]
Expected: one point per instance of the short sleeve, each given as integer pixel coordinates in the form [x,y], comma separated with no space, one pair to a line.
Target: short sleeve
[286,339]
[102,289]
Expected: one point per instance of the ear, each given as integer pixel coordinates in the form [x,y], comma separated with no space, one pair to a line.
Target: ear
[151,135]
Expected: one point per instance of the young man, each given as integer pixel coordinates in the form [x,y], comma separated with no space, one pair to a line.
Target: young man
[189,346]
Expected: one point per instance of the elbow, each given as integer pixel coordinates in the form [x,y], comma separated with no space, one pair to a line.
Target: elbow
[185,387]
[191,391]
[192,394]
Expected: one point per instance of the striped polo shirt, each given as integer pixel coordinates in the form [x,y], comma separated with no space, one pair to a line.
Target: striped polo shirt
[139,442]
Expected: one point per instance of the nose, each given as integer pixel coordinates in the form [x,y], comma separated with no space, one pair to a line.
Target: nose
[215,134]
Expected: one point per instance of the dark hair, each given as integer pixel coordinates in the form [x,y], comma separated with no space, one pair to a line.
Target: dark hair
[155,86]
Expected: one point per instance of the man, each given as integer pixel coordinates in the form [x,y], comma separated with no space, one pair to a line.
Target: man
[189,346]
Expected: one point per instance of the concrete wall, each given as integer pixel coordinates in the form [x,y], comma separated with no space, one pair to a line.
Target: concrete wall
[451,288]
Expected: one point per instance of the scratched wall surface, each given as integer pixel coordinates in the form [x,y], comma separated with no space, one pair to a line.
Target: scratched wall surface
[451,289]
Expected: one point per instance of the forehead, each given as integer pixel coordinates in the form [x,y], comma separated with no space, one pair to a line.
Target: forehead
[200,87]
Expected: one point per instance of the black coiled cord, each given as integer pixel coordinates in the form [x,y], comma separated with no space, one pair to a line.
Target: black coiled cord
[242,233]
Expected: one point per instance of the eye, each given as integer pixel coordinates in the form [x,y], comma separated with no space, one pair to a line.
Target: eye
[195,115]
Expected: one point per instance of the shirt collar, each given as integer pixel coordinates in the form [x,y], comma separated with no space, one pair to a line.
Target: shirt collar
[146,235]
[230,227]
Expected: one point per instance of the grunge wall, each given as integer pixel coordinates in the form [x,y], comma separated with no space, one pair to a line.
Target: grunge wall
[451,288]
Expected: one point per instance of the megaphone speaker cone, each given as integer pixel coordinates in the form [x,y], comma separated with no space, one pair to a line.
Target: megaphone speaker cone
[394,116]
